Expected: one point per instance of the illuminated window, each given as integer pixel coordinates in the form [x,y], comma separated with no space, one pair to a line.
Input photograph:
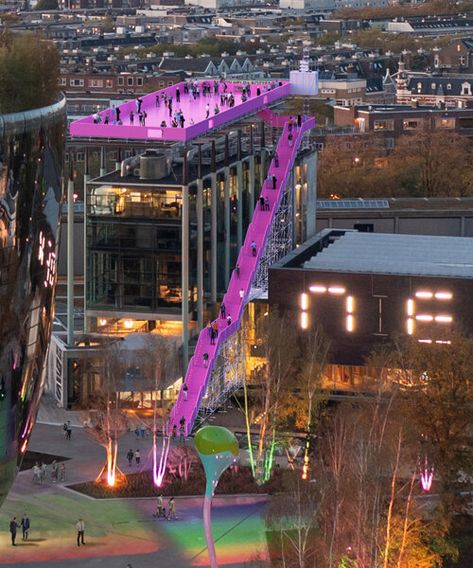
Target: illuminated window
[304,320]
[424,317]
[424,294]
[443,319]
[336,290]
[304,301]
[443,295]
[318,289]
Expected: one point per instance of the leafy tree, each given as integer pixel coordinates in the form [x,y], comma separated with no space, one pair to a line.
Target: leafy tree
[439,405]
[29,72]
[47,5]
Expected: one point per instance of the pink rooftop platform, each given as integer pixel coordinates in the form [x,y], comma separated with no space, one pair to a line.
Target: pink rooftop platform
[194,110]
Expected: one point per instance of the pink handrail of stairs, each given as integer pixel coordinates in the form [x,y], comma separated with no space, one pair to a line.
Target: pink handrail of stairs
[236,297]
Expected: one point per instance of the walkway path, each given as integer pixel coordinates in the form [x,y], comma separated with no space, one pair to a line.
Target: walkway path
[200,370]
[119,530]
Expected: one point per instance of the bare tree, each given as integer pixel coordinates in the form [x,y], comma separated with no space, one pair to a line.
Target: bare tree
[280,349]
[158,360]
[107,423]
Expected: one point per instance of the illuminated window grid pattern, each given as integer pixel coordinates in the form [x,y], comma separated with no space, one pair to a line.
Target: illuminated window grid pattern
[334,290]
[438,318]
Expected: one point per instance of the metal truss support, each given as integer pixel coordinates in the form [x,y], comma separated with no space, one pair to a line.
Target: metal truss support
[228,375]
[280,240]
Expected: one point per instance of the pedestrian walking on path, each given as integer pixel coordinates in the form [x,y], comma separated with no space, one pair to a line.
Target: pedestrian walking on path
[54,471]
[44,469]
[276,160]
[159,506]
[25,526]
[237,270]
[229,320]
[261,203]
[184,391]
[62,472]
[129,457]
[68,430]
[275,181]
[13,527]
[171,509]
[215,328]
[222,311]
[242,294]
[253,248]
[206,360]
[137,457]
[182,430]
[36,473]
[80,527]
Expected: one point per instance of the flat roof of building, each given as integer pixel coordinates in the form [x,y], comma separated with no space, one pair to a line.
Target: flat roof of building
[388,205]
[193,109]
[380,253]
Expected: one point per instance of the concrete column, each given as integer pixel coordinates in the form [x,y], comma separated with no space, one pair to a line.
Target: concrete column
[226,210]
[118,160]
[226,215]
[213,237]
[103,161]
[185,277]
[240,204]
[200,253]
[213,225]
[251,177]
[294,211]
[200,241]
[311,180]
[251,186]
[87,178]
[239,195]
[70,260]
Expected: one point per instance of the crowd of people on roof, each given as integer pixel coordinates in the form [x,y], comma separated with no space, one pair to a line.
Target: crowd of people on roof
[194,90]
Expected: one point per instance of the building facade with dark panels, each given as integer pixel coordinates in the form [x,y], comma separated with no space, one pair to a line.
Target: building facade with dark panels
[31,176]
[365,289]
[452,217]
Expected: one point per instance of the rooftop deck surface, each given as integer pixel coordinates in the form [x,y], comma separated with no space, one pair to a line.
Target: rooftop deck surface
[194,110]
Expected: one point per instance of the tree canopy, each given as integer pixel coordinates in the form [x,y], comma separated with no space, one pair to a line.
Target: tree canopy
[47,5]
[360,167]
[29,72]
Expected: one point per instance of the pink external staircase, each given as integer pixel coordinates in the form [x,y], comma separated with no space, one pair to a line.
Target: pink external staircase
[198,374]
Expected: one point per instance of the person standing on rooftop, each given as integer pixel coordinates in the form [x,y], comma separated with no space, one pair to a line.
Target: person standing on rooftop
[222,310]
[178,95]
[207,110]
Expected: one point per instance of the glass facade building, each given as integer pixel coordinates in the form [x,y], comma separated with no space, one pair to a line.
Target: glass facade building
[31,181]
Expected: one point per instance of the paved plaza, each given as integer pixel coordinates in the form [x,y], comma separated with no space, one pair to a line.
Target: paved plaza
[119,531]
